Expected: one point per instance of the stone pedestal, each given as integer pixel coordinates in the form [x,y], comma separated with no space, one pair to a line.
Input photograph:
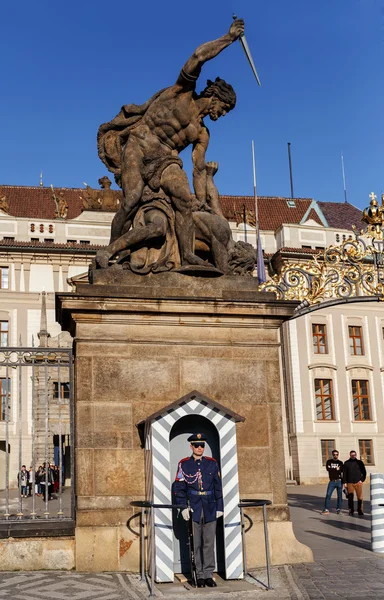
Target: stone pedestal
[142,344]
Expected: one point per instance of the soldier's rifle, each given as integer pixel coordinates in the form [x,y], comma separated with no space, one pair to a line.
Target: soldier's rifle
[192,559]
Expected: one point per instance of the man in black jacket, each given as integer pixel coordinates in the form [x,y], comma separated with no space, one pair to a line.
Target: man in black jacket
[354,475]
[334,467]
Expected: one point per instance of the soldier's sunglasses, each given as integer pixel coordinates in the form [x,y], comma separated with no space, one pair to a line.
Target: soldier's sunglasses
[198,445]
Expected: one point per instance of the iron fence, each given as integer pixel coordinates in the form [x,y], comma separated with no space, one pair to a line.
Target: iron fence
[36,433]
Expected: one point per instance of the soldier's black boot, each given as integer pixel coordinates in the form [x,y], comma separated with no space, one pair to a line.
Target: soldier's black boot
[210,582]
[200,583]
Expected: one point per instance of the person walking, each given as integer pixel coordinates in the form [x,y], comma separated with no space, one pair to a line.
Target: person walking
[354,475]
[334,467]
[198,484]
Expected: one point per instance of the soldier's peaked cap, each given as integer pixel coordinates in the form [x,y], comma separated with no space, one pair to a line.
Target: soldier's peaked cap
[197,437]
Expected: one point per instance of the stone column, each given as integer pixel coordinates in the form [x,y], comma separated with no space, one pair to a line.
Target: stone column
[139,347]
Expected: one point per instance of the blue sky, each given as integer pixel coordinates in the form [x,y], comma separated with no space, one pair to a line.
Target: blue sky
[68,67]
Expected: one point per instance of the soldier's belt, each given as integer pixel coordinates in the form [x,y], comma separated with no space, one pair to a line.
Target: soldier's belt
[197,493]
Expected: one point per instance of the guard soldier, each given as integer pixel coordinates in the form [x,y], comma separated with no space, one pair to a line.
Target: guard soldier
[198,484]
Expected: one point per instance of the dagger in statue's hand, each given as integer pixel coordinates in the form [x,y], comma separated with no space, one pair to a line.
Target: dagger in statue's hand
[243,42]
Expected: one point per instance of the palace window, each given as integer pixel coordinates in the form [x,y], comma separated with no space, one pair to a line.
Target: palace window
[319,337]
[4,331]
[4,278]
[361,402]
[356,340]
[326,450]
[365,450]
[63,390]
[324,400]
[5,390]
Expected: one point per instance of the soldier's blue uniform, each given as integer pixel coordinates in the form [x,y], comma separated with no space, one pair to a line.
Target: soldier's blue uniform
[198,484]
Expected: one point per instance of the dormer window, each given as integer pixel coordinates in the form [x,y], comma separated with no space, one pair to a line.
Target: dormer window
[291,203]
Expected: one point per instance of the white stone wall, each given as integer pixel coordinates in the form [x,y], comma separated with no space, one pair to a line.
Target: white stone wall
[341,367]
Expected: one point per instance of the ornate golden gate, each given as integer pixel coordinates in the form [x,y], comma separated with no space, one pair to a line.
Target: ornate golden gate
[350,272]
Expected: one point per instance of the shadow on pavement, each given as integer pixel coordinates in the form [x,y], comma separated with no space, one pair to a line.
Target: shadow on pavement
[349,525]
[365,545]
[316,503]
[329,536]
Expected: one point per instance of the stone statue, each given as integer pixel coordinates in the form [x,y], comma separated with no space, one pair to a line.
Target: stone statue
[91,198]
[150,245]
[249,217]
[110,199]
[61,206]
[141,146]
[104,199]
[4,205]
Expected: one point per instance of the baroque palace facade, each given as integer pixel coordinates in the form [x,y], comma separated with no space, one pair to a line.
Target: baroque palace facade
[332,360]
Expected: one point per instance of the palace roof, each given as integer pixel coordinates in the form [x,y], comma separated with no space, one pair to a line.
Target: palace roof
[272,210]
[37,203]
[341,215]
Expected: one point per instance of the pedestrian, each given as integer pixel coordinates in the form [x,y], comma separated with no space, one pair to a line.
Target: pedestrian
[354,475]
[198,484]
[334,467]
[22,480]
[38,480]
[31,481]
[46,477]
[56,479]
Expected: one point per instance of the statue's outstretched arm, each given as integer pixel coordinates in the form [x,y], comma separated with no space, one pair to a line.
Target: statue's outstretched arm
[192,68]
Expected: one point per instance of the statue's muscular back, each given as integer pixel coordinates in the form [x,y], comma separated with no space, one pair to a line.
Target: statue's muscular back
[172,119]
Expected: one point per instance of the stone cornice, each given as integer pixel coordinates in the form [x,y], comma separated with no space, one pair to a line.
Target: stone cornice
[322,366]
[359,366]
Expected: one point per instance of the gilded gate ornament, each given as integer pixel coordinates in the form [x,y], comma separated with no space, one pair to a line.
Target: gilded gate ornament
[354,268]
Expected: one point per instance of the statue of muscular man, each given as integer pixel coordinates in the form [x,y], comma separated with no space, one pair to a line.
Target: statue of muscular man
[150,147]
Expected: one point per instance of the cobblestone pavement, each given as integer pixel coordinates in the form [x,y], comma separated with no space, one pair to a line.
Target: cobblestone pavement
[357,578]
[123,586]
[345,568]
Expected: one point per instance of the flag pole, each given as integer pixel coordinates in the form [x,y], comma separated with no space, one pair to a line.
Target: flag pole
[255,190]
[260,257]
[344,184]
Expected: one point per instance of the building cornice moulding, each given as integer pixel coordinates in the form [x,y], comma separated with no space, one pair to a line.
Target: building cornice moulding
[322,366]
